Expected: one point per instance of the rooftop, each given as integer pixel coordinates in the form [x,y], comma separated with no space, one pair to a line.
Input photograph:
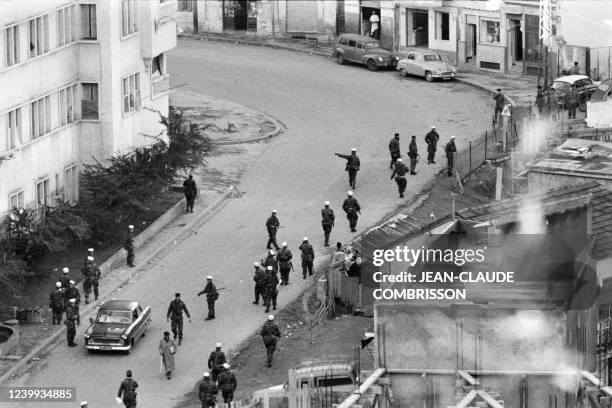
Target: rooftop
[579,157]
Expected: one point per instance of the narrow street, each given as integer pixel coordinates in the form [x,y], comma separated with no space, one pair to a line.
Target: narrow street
[326,108]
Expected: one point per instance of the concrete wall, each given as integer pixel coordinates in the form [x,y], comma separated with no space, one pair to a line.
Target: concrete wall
[352,16]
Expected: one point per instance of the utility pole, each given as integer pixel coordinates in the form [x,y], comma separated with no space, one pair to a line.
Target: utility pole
[545,33]
[194,4]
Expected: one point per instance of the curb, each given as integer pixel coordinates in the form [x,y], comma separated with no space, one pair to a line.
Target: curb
[254,43]
[279,128]
[484,88]
[120,255]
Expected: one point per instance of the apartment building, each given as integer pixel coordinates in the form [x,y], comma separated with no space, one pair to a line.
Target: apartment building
[80,81]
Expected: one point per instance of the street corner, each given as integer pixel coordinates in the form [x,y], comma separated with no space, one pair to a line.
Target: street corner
[225,122]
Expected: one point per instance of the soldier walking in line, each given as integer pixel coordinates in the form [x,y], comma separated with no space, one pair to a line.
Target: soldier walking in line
[271,288]
[327,221]
[167,349]
[56,303]
[307,257]
[352,166]
[431,138]
[73,293]
[414,155]
[71,317]
[352,209]
[270,333]
[90,252]
[175,315]
[127,391]
[128,245]
[211,296]
[283,258]
[227,385]
[191,191]
[272,225]
[65,279]
[258,277]
[400,176]
[216,361]
[271,261]
[207,391]
[394,150]
[450,151]
[91,272]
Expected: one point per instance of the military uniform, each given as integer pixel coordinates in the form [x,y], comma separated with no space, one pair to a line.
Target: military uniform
[431,138]
[65,281]
[327,221]
[284,258]
[271,290]
[500,101]
[211,296]
[73,293]
[399,173]
[572,102]
[91,272]
[270,333]
[215,363]
[129,247]
[270,261]
[414,156]
[450,151]
[190,190]
[352,209]
[227,385]
[258,277]
[71,317]
[272,225]
[207,392]
[127,391]
[56,304]
[394,150]
[175,314]
[352,166]
[307,258]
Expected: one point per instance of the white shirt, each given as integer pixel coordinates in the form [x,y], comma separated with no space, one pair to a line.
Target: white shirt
[374,20]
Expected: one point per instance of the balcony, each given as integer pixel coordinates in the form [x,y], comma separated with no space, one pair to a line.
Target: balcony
[161,84]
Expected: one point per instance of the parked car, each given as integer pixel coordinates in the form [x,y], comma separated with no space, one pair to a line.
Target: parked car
[584,87]
[427,64]
[363,50]
[117,326]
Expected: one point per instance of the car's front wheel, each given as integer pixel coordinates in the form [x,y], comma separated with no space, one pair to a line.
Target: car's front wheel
[403,72]
[340,59]
[428,76]
[372,65]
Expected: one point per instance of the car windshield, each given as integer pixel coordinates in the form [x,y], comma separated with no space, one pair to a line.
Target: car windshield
[372,45]
[432,57]
[114,316]
[602,92]
[560,85]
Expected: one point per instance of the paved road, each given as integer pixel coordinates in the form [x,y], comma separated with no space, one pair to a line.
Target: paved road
[327,108]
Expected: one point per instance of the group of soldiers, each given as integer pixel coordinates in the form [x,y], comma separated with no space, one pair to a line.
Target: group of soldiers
[66,297]
[547,102]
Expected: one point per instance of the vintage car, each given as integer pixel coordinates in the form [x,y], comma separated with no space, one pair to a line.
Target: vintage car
[117,326]
[427,64]
[363,50]
[584,88]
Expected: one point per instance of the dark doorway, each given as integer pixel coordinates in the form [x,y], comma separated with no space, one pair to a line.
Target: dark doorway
[609,371]
[518,40]
[340,17]
[366,23]
[470,46]
[420,22]
[238,15]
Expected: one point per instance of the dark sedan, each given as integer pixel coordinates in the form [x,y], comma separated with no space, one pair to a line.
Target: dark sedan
[363,50]
[117,326]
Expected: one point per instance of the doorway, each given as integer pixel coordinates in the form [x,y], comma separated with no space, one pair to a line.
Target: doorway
[517,40]
[470,44]
[420,24]
[239,15]
[370,26]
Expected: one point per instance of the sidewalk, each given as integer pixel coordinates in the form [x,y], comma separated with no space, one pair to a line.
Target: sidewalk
[167,231]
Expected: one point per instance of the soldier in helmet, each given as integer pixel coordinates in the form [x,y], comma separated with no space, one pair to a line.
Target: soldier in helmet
[175,315]
[394,149]
[207,391]
[450,151]
[128,245]
[216,361]
[270,261]
[327,221]
[91,272]
[258,277]
[73,293]
[65,278]
[71,317]
[211,296]
[284,258]
[352,209]
[127,390]
[272,225]
[431,139]
[400,176]
[353,165]
[270,333]
[56,303]
[308,256]
[271,288]
[227,384]
[413,154]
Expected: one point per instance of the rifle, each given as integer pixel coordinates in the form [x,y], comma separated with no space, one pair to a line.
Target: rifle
[291,263]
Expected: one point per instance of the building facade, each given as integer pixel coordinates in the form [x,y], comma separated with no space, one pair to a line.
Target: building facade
[81,80]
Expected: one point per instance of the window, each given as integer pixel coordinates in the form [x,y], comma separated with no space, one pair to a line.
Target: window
[185,5]
[489,32]
[89,29]
[13,120]
[41,117]
[351,43]
[39,36]
[42,197]
[361,46]
[71,185]
[158,66]
[128,17]
[89,101]
[66,98]
[131,93]
[64,26]
[412,57]
[442,26]
[16,200]
[342,41]
[11,50]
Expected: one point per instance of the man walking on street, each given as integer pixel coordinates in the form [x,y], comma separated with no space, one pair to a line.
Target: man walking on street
[450,151]
[431,138]
[500,101]
[271,288]
[167,349]
[258,277]
[413,153]
[327,221]
[400,177]
[307,257]
[207,392]
[270,333]
[175,315]
[284,258]
[91,272]
[352,166]
[352,209]
[215,361]
[73,293]
[227,385]
[56,303]
[211,296]
[71,317]
[127,391]
[129,246]
[272,225]
[191,191]
[394,150]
